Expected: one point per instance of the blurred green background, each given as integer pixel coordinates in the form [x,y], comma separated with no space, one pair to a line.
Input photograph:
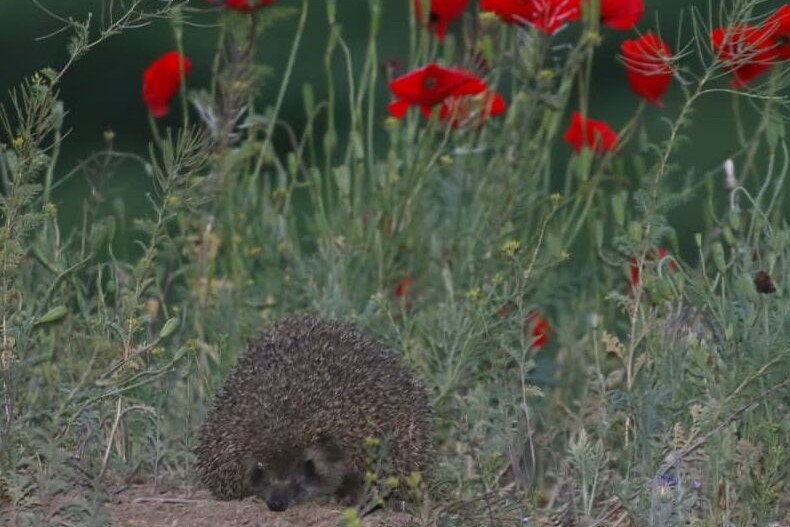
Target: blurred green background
[102,90]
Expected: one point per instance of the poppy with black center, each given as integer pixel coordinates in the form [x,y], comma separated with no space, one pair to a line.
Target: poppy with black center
[431,85]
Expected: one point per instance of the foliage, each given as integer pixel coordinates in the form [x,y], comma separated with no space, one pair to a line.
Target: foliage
[655,402]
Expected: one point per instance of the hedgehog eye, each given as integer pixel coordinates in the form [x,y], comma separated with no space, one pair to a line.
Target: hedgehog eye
[257,473]
[309,469]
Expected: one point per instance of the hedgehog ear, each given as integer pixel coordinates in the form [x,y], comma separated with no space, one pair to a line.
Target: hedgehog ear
[320,456]
[329,449]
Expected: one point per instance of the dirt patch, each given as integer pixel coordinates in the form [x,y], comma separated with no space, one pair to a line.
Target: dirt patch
[140,507]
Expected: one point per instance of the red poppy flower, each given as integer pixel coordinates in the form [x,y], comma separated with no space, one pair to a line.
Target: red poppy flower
[546,15]
[471,110]
[431,85]
[539,329]
[777,29]
[243,6]
[162,80]
[746,51]
[403,291]
[647,66]
[622,14]
[660,254]
[441,14]
[591,133]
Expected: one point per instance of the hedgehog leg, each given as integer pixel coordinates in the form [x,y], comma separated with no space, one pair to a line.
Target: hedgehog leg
[351,489]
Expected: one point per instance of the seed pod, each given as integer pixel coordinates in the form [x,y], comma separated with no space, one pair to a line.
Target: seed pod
[170,326]
[53,315]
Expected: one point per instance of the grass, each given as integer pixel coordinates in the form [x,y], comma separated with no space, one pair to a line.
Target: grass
[661,402]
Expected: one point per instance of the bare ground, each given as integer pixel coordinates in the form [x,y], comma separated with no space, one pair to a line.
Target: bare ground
[139,507]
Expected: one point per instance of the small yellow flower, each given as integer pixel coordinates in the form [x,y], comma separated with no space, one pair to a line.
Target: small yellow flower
[545,75]
[134,324]
[371,477]
[565,256]
[18,143]
[473,294]
[372,442]
[446,160]
[390,123]
[350,518]
[51,209]
[593,37]
[240,85]
[487,17]
[279,193]
[555,199]
[392,482]
[510,248]
[414,480]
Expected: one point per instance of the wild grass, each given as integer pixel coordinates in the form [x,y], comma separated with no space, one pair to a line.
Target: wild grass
[660,403]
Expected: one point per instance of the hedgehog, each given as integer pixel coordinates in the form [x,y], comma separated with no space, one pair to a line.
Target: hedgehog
[293,417]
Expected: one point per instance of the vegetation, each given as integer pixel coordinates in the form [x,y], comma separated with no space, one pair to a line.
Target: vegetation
[582,371]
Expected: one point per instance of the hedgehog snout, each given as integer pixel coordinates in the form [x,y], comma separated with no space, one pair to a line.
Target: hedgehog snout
[277,502]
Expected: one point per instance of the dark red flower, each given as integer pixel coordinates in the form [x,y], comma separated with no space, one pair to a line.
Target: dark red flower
[746,51]
[634,272]
[546,15]
[621,14]
[763,283]
[431,85]
[591,133]
[539,329]
[402,291]
[161,81]
[504,310]
[441,14]
[471,110]
[647,66]
[660,254]
[777,29]
[243,6]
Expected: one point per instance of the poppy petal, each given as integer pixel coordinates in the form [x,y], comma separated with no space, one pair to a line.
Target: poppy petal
[398,109]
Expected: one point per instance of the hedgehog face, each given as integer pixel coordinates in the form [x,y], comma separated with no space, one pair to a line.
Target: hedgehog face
[282,488]
[317,470]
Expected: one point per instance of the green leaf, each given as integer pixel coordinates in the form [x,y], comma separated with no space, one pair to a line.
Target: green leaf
[53,315]
[170,326]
